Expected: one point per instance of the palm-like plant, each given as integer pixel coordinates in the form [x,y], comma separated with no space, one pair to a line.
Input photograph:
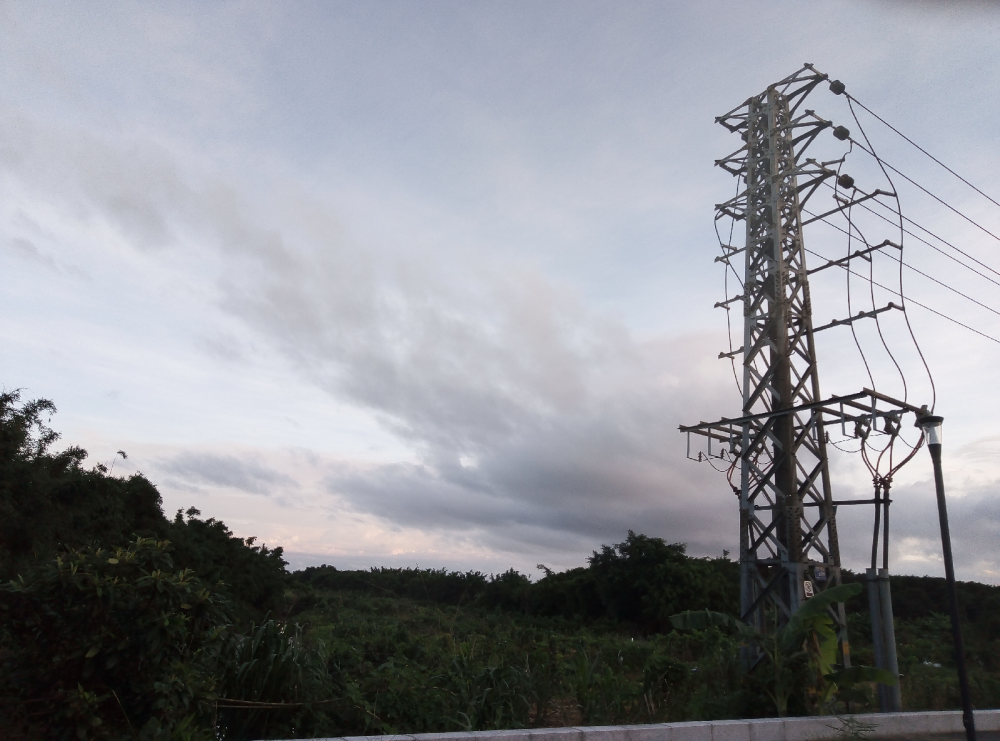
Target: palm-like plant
[807,640]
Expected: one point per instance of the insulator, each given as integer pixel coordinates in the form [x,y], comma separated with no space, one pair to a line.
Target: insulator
[845,181]
[842,133]
[861,428]
[837,87]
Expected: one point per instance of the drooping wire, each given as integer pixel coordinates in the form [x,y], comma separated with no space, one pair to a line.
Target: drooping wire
[921,149]
[850,312]
[865,442]
[836,444]
[878,324]
[725,283]
[917,270]
[902,298]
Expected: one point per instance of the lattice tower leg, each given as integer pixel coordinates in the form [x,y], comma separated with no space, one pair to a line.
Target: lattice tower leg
[787,520]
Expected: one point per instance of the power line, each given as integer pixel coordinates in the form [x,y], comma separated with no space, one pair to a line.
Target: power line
[850,312]
[909,300]
[924,241]
[950,288]
[918,271]
[899,215]
[924,151]
[936,198]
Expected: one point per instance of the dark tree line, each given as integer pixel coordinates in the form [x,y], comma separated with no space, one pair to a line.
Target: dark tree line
[118,622]
[635,585]
[50,503]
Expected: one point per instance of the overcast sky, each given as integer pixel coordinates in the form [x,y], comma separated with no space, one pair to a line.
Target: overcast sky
[433,283]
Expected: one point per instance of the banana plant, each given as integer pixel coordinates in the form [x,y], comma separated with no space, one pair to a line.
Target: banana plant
[808,636]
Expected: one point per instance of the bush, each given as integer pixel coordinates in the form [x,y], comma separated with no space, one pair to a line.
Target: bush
[102,643]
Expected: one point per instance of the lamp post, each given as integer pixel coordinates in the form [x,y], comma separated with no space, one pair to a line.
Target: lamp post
[931,425]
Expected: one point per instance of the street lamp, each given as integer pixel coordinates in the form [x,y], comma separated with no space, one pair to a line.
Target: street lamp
[931,426]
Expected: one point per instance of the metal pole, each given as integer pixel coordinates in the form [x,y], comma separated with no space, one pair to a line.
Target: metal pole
[892,692]
[931,426]
[878,635]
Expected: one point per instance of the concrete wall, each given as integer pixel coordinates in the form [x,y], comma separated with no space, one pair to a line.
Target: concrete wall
[817,728]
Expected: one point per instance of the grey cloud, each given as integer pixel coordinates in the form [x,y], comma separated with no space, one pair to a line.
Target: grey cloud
[28,250]
[227,471]
[915,537]
[568,421]
[571,422]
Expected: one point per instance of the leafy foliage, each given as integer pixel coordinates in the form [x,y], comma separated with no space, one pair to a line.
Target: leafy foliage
[269,682]
[100,642]
[636,584]
[800,655]
[645,580]
[50,503]
[118,622]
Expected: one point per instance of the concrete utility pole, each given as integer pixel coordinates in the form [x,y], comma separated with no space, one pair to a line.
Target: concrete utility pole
[789,548]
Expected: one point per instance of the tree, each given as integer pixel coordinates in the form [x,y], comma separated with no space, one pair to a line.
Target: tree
[101,643]
[645,580]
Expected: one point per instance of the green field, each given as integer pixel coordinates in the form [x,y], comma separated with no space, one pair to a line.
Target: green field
[117,622]
[436,663]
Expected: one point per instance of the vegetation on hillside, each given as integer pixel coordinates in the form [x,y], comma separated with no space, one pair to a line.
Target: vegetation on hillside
[117,622]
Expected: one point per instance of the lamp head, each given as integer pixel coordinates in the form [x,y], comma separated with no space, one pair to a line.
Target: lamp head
[931,425]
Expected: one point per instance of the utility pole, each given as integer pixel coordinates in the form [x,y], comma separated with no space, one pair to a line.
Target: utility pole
[789,549]
[931,425]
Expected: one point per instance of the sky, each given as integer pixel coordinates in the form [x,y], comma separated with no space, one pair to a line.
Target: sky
[432,284]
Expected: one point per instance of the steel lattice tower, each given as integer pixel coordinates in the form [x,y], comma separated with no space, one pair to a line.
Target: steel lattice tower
[788,525]
[789,548]
[788,531]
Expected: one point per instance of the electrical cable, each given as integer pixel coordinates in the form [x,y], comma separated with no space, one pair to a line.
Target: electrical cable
[852,227]
[918,271]
[729,326]
[912,301]
[899,210]
[837,446]
[850,312]
[725,283]
[924,151]
[935,197]
[878,324]
[935,236]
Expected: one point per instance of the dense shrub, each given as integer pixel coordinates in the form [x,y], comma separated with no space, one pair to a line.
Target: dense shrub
[103,643]
[105,631]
